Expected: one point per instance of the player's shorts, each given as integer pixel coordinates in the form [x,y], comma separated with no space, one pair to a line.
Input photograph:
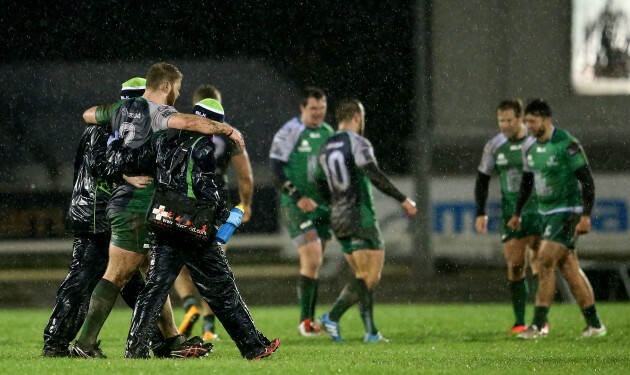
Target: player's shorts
[129,231]
[363,239]
[298,223]
[530,226]
[560,228]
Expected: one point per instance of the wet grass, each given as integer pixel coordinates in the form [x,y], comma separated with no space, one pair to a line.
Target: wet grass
[445,339]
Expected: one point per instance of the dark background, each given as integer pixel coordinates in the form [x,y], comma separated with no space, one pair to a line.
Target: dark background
[361,49]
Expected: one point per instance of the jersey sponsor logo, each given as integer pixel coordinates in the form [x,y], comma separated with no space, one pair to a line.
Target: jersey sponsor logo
[541,149]
[501,159]
[515,147]
[167,113]
[332,145]
[306,224]
[315,135]
[133,115]
[305,146]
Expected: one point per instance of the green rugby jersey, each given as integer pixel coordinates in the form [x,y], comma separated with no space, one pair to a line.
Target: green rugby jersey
[505,157]
[341,159]
[135,120]
[298,146]
[553,164]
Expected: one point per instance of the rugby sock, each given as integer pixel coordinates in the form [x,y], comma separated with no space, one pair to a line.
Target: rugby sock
[534,287]
[348,297]
[366,307]
[307,289]
[540,316]
[208,323]
[590,315]
[314,300]
[189,301]
[518,290]
[101,303]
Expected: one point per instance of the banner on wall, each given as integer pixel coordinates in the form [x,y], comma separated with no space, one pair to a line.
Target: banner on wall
[453,219]
[601,47]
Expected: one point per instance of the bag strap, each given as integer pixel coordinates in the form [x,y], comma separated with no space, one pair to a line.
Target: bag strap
[191,193]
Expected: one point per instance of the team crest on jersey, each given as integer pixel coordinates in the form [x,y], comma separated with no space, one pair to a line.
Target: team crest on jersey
[501,159]
[305,146]
[552,162]
[127,132]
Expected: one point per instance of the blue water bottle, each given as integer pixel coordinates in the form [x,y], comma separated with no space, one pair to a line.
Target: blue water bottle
[235,219]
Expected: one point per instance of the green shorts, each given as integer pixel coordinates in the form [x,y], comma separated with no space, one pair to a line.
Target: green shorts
[129,231]
[560,228]
[530,226]
[298,222]
[363,239]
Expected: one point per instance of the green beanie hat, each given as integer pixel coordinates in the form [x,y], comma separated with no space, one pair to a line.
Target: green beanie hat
[210,109]
[133,88]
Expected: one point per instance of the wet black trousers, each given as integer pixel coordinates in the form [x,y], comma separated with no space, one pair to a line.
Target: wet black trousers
[89,261]
[214,279]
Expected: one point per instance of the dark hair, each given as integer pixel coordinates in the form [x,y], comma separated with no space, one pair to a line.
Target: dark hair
[538,107]
[514,104]
[312,92]
[346,109]
[162,72]
[207,91]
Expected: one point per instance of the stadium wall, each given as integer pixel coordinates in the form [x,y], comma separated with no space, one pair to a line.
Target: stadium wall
[487,50]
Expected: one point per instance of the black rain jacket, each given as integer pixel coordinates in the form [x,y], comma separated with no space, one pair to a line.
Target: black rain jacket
[172,169]
[91,190]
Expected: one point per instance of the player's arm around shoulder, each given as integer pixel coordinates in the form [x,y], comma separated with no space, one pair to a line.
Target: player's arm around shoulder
[100,115]
[206,126]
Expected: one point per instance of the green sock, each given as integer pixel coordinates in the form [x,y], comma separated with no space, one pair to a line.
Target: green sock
[518,291]
[348,297]
[590,315]
[103,299]
[366,307]
[190,301]
[307,288]
[208,323]
[540,316]
[534,286]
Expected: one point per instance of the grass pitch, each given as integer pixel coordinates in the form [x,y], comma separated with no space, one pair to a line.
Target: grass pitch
[447,339]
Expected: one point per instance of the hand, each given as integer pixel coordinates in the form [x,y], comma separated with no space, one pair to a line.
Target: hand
[481,224]
[235,218]
[236,137]
[583,226]
[409,207]
[515,222]
[112,138]
[247,213]
[141,182]
[306,204]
